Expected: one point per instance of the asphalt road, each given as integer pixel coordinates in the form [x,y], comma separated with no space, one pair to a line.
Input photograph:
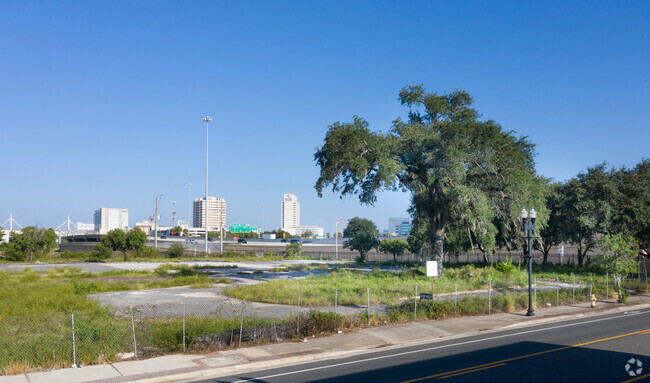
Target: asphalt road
[590,349]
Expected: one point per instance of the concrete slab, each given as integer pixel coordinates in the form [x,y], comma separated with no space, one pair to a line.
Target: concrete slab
[222,361]
[275,349]
[255,352]
[397,334]
[14,379]
[163,363]
[346,342]
[74,375]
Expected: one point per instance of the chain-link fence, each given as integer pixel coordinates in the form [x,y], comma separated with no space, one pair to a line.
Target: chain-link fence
[57,340]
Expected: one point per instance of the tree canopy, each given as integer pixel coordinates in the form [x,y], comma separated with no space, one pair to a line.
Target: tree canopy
[360,225]
[394,246]
[362,242]
[31,241]
[463,174]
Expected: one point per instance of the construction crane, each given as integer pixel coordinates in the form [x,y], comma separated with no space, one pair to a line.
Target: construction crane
[336,228]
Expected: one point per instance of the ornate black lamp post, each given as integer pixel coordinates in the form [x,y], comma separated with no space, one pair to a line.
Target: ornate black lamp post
[528,220]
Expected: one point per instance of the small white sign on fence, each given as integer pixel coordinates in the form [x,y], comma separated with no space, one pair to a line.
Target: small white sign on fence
[432,268]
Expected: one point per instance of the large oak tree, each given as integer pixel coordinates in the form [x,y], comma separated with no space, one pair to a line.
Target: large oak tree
[460,171]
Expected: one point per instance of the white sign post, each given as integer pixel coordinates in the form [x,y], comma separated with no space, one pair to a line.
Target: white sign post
[432,271]
[432,268]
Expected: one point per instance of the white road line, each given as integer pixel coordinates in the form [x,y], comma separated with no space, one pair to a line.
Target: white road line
[435,348]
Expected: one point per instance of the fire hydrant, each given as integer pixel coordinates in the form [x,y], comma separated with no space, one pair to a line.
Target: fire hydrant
[593,301]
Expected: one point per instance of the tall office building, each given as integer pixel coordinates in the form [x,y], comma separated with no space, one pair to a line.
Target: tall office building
[290,213]
[216,213]
[399,225]
[107,219]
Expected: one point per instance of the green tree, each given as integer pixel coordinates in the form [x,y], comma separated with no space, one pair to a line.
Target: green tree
[446,158]
[31,240]
[136,239]
[360,225]
[176,250]
[102,251]
[177,230]
[555,231]
[632,213]
[362,242]
[590,208]
[396,247]
[617,258]
[308,234]
[117,240]
[294,249]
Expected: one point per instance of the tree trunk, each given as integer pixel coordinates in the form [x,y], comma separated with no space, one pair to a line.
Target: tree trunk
[124,251]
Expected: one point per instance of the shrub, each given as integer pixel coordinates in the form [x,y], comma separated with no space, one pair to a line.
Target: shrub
[147,252]
[102,251]
[176,250]
[319,322]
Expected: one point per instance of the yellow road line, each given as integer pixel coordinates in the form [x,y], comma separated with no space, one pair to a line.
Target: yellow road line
[637,378]
[470,371]
[500,362]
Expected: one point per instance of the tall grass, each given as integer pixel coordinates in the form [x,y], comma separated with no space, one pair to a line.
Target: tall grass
[385,287]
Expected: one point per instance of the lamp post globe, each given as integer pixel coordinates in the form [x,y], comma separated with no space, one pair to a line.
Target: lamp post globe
[528,221]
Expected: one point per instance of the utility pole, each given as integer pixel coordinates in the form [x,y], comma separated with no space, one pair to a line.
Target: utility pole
[189,204]
[207,121]
[173,213]
[155,219]
[337,222]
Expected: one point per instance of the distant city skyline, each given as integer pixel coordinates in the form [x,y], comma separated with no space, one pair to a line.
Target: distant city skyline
[102,102]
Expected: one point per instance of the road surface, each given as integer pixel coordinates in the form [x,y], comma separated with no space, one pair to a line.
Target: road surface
[607,348]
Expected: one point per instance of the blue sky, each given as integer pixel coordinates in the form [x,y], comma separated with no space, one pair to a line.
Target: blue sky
[101,101]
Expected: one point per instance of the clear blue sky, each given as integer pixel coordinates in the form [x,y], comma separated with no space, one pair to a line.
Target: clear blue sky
[101,101]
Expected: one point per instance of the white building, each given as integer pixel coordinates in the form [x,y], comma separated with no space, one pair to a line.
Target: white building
[290,213]
[399,226]
[317,231]
[290,217]
[85,226]
[216,213]
[107,219]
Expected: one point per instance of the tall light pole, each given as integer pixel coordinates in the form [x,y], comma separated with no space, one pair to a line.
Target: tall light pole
[207,120]
[189,208]
[528,221]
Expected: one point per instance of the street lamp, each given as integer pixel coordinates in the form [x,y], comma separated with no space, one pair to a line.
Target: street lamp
[528,221]
[189,208]
[207,120]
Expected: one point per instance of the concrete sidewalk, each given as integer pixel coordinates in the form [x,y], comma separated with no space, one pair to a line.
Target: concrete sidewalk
[186,367]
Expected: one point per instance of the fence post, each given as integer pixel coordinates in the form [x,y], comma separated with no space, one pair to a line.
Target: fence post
[135,345]
[455,298]
[74,346]
[557,291]
[368,296]
[573,288]
[241,323]
[336,299]
[415,312]
[183,326]
[490,297]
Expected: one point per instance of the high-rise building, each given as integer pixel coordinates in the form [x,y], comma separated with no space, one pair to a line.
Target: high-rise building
[216,213]
[399,226]
[290,213]
[107,219]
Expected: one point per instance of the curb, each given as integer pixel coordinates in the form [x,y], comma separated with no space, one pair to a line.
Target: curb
[217,372]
